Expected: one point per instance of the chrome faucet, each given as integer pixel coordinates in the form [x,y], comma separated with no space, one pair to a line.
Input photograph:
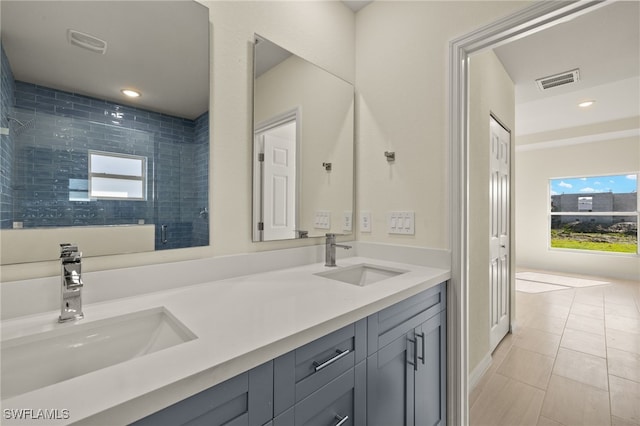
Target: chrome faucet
[71,283]
[330,250]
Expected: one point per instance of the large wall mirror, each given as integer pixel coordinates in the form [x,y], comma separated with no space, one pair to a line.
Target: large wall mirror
[303,165]
[82,161]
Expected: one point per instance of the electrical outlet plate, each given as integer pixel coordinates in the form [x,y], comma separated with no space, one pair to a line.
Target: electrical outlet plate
[347,221]
[402,223]
[365,221]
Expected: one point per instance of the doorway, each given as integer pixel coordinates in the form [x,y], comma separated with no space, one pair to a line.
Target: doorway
[527,21]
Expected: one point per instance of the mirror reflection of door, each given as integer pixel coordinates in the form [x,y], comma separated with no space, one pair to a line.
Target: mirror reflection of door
[284,87]
[277,150]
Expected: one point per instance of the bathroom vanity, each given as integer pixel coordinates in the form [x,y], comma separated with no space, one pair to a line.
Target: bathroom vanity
[386,369]
[360,344]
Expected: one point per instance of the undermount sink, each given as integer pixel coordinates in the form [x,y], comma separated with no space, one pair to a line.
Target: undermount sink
[362,274]
[43,359]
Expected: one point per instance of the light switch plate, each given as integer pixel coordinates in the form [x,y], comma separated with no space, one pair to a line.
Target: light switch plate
[401,223]
[365,221]
[322,219]
[347,221]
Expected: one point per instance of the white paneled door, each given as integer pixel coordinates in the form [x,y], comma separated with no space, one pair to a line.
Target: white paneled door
[279,182]
[499,188]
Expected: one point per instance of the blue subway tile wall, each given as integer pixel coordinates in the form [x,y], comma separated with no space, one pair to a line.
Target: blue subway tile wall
[7,99]
[51,164]
[201,180]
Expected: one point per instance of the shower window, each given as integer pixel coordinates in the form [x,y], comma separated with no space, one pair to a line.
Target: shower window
[117,176]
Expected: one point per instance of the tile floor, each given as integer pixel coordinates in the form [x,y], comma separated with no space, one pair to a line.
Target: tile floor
[573,360]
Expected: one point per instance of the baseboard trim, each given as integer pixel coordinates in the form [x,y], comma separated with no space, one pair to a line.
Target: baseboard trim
[479,370]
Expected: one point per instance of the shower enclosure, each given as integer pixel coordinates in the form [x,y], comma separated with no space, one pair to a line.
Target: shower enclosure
[48,179]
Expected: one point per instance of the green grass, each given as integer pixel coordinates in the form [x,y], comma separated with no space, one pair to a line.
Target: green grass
[610,242]
[589,245]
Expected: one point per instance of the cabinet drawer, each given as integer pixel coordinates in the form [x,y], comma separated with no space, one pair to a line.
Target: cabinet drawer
[244,400]
[338,402]
[303,371]
[387,325]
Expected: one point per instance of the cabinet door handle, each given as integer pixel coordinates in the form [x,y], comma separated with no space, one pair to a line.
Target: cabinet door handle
[415,354]
[320,365]
[341,420]
[421,336]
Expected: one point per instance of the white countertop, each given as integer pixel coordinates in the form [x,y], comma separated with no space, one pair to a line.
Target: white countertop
[240,323]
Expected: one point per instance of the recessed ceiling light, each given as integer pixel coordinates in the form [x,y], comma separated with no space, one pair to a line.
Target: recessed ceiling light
[131,93]
[586,104]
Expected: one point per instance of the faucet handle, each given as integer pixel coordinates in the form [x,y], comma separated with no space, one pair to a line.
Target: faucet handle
[69,252]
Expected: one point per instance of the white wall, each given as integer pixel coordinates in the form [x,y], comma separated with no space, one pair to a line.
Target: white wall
[534,168]
[491,91]
[402,103]
[322,32]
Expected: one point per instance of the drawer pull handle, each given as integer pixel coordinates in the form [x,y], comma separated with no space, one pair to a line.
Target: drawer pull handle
[319,366]
[421,335]
[341,420]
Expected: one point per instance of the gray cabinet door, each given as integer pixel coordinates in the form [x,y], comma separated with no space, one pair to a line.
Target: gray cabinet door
[430,376]
[390,382]
[387,325]
[406,380]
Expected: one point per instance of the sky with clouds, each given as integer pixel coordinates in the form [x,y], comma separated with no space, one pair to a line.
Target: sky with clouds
[618,184]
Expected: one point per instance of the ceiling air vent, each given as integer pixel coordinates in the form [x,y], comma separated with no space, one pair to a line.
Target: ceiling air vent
[86,41]
[567,77]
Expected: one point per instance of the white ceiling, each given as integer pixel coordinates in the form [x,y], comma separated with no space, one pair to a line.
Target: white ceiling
[356,5]
[603,44]
[173,74]
[160,48]
[267,55]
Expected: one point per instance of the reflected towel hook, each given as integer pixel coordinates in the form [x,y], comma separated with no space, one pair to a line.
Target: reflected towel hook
[391,155]
[327,166]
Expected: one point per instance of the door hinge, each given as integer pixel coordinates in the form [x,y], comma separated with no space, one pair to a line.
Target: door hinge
[260,226]
[261,157]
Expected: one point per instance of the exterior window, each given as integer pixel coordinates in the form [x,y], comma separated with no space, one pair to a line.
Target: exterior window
[597,213]
[117,176]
